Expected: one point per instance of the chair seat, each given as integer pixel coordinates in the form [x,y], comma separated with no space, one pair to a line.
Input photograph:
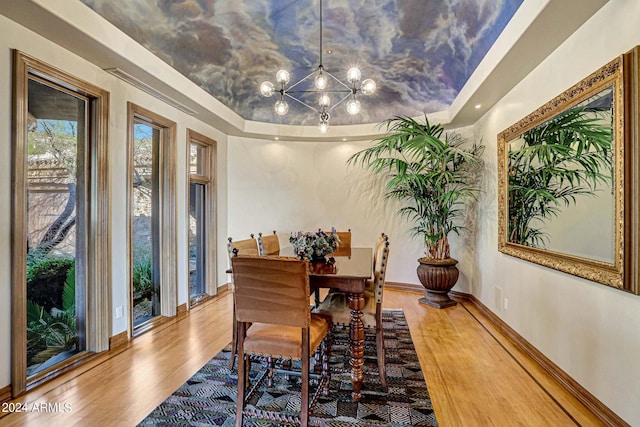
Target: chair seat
[284,342]
[336,307]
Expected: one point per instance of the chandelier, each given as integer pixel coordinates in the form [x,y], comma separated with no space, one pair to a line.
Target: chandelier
[325,85]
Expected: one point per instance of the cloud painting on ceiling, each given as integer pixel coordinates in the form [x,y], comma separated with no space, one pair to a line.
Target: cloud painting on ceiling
[420,53]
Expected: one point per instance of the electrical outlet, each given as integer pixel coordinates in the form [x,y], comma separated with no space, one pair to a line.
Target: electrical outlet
[506,303]
[498,298]
[119,312]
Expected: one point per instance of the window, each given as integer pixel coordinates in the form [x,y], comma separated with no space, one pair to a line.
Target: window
[152,207]
[202,217]
[59,206]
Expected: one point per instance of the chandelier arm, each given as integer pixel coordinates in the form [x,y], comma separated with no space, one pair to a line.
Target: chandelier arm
[338,80]
[300,81]
[339,102]
[316,91]
[302,102]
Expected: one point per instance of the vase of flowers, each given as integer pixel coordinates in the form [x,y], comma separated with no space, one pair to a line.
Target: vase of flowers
[314,246]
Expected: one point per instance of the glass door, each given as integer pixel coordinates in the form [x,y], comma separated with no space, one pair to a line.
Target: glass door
[56,229]
[60,198]
[145,226]
[202,215]
[152,219]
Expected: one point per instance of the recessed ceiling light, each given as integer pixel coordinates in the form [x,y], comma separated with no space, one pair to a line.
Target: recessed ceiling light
[344,139]
[277,138]
[478,106]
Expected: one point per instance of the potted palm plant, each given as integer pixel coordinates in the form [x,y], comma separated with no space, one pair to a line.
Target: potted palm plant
[434,175]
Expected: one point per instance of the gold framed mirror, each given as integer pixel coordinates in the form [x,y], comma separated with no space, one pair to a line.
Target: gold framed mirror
[563,180]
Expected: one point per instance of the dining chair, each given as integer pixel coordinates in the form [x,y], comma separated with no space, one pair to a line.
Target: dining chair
[268,245]
[275,321]
[344,249]
[243,247]
[336,306]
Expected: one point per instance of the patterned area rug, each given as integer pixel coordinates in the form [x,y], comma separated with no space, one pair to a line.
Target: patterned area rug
[209,397]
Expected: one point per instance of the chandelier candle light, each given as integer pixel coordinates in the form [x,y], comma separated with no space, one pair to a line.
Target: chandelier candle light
[322,88]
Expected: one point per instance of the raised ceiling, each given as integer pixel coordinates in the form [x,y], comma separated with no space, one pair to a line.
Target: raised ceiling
[536,29]
[420,52]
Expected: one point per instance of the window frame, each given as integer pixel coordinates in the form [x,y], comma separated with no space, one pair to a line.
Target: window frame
[167,208]
[96,218]
[208,178]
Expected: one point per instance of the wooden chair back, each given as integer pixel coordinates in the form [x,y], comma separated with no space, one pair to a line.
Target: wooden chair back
[381,257]
[344,249]
[268,245]
[247,247]
[383,238]
[272,290]
[345,238]
[272,295]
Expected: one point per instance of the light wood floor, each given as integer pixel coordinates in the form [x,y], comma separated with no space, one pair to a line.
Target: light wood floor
[475,376]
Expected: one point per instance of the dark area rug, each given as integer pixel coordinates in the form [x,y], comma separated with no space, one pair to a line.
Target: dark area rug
[209,397]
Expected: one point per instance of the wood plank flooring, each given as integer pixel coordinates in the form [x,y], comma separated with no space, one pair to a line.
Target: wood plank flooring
[475,375]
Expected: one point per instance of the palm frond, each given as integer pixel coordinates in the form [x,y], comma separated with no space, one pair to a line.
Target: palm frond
[557,162]
[433,174]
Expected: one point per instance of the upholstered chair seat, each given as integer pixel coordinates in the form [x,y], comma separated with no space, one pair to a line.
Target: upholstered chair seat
[284,342]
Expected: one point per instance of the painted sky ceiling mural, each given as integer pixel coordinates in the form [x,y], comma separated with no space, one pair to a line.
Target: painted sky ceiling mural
[419,52]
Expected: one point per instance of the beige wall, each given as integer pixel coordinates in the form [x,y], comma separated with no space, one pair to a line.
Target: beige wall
[14,36]
[293,186]
[589,330]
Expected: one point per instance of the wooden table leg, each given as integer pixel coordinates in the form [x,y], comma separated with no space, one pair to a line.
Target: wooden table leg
[356,338]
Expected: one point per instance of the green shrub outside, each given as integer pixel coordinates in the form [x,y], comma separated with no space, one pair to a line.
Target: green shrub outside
[142,275]
[54,331]
[45,279]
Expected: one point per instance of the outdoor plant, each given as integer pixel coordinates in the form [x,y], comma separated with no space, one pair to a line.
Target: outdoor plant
[314,245]
[46,275]
[431,173]
[50,332]
[142,275]
[555,163]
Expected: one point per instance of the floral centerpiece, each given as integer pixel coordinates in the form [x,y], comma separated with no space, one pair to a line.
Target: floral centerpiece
[314,246]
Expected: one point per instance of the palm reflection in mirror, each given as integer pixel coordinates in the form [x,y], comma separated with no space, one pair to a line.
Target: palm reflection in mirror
[560,182]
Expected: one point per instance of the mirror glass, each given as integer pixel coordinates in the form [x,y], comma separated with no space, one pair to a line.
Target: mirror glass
[561,181]
[560,188]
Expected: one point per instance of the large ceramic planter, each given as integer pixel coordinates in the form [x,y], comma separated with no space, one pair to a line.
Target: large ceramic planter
[438,277]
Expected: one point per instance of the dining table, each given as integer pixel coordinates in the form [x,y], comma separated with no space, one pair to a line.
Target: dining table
[349,274]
